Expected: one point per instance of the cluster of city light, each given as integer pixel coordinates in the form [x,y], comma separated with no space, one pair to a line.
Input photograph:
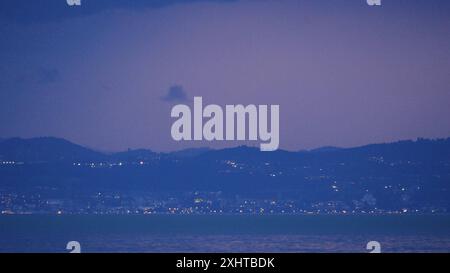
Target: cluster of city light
[10,162]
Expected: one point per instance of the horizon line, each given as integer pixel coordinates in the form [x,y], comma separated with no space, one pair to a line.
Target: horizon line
[226,148]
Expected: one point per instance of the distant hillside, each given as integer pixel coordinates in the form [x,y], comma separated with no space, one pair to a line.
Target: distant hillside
[326,149]
[191,152]
[45,149]
[391,175]
[424,149]
[134,155]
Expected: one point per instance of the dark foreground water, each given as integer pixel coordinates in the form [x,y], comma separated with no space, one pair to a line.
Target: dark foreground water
[224,233]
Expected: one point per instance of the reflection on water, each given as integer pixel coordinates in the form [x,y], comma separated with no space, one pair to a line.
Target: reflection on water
[231,243]
[225,234]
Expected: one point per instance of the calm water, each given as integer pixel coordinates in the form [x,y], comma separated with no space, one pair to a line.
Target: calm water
[225,233]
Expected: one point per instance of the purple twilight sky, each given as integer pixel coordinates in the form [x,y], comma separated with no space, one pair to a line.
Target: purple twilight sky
[344,73]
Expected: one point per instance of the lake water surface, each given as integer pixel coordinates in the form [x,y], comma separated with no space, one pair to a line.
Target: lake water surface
[225,233]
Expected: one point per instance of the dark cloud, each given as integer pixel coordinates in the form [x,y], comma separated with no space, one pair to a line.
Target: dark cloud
[175,93]
[26,11]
